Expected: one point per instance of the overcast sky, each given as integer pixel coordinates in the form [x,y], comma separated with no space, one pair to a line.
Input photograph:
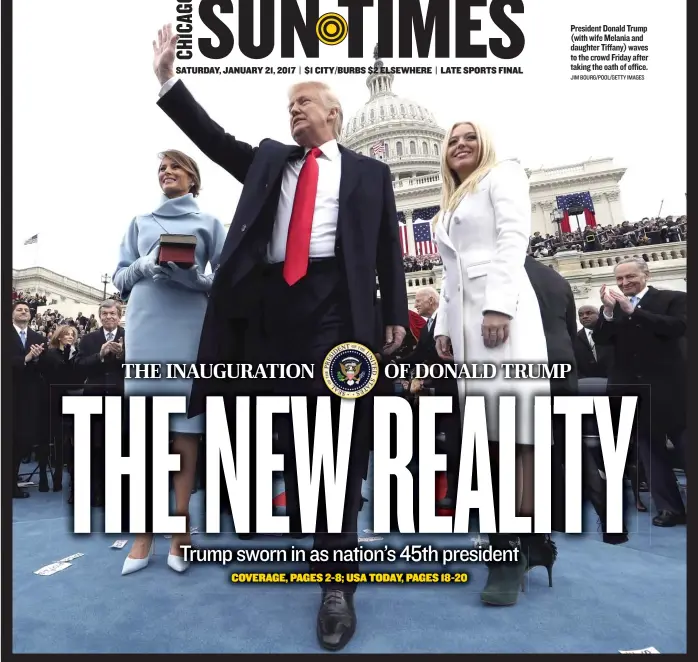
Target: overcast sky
[87,130]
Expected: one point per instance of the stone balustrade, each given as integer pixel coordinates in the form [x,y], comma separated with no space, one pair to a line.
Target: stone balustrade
[416,182]
[573,261]
[586,272]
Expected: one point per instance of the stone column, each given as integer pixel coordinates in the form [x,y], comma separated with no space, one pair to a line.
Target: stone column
[411,249]
[615,206]
[546,208]
[535,219]
[601,209]
[609,207]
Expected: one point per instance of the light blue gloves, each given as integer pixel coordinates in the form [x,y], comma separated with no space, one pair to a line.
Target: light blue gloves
[148,265]
[191,278]
[144,267]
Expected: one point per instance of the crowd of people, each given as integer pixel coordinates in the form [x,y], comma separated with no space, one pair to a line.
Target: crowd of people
[295,277]
[647,232]
[34,300]
[56,356]
[413,263]
[45,322]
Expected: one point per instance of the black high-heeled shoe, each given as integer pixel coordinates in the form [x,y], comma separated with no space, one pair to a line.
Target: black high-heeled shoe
[43,480]
[504,578]
[540,551]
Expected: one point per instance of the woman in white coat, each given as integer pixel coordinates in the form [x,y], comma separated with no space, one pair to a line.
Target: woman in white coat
[489,313]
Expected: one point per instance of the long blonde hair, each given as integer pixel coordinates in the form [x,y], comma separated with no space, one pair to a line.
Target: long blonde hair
[452,189]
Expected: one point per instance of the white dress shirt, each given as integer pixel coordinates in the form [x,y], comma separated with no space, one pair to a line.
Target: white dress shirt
[638,298]
[324,230]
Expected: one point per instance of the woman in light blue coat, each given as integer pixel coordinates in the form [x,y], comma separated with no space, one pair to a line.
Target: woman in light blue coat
[166,308]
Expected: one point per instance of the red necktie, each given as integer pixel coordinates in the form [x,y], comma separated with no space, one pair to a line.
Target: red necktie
[301,225]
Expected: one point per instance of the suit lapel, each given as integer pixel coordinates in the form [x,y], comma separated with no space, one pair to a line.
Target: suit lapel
[441,236]
[348,183]
[18,341]
[647,299]
[276,165]
[350,177]
[291,154]
[433,324]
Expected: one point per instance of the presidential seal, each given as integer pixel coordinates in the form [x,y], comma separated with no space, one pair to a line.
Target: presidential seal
[350,370]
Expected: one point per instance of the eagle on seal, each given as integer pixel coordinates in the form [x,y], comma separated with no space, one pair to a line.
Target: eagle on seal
[351,370]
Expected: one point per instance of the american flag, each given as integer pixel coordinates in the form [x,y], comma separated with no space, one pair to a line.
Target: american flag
[422,239]
[378,149]
[402,229]
[423,242]
[565,202]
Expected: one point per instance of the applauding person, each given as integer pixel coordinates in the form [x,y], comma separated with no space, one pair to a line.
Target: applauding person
[29,393]
[100,360]
[63,379]
[647,329]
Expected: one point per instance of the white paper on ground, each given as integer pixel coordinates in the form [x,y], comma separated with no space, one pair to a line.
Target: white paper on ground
[118,544]
[370,539]
[28,484]
[52,569]
[70,558]
[651,649]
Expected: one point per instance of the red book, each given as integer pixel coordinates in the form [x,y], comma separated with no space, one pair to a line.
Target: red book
[177,248]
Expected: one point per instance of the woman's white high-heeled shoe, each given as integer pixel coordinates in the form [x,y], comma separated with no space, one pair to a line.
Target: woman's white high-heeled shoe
[134,565]
[177,563]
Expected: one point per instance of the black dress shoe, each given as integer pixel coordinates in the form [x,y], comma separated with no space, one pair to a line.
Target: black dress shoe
[245,536]
[665,518]
[336,620]
[19,493]
[615,538]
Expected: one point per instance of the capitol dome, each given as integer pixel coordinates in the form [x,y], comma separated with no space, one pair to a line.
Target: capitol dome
[397,130]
